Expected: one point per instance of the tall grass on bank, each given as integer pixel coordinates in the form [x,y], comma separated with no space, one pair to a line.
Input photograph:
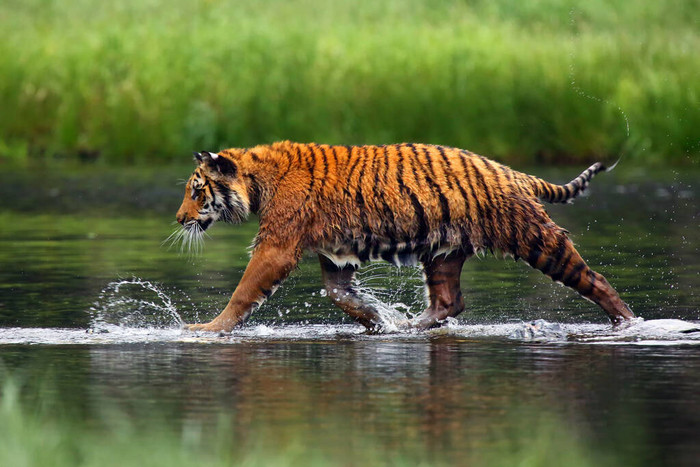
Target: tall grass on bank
[44,434]
[526,82]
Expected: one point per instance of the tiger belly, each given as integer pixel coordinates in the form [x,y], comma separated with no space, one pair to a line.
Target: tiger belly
[398,254]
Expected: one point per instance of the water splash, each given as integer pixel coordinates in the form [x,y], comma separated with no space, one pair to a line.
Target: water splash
[134,303]
[400,301]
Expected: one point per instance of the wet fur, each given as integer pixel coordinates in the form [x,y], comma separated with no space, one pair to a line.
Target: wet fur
[405,203]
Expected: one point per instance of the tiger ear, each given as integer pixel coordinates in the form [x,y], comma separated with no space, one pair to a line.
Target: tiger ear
[219,163]
[197,156]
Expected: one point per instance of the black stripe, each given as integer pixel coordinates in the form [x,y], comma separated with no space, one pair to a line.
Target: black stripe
[579,186]
[386,209]
[335,157]
[574,276]
[444,205]
[399,181]
[287,153]
[310,167]
[375,246]
[558,273]
[448,164]
[359,198]
[403,189]
[388,255]
[362,254]
[253,193]
[297,155]
[567,192]
[561,249]
[534,256]
[556,194]
[451,175]
[554,257]
[431,282]
[224,192]
[428,161]
[399,171]
[549,194]
[404,254]
[423,227]
[328,265]
[535,250]
[365,153]
[463,160]
[376,176]
[497,193]
[212,193]
[591,284]
[354,164]
[487,208]
[266,292]
[325,165]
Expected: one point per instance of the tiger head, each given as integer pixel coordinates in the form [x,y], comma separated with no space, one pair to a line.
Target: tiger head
[215,191]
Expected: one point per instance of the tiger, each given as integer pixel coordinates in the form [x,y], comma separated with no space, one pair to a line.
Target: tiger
[408,204]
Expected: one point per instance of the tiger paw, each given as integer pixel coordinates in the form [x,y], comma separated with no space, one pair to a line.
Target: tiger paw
[206,327]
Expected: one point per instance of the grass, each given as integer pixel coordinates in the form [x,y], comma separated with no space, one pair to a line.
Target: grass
[525,82]
[44,434]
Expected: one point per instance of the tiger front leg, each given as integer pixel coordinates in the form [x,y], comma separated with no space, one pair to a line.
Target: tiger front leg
[268,267]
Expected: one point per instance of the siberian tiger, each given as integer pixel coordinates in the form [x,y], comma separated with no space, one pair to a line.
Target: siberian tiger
[406,203]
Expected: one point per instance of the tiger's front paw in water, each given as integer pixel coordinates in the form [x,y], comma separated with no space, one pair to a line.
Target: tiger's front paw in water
[199,327]
[213,326]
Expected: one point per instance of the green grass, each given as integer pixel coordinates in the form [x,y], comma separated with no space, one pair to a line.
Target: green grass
[150,80]
[43,433]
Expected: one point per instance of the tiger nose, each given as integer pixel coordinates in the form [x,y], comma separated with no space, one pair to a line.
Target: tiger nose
[181,217]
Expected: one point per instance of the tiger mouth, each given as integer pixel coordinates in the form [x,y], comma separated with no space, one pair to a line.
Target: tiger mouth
[197,224]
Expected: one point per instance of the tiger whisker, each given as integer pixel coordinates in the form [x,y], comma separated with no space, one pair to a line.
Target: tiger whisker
[172,238]
[190,238]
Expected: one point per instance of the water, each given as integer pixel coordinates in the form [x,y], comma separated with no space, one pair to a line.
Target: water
[91,306]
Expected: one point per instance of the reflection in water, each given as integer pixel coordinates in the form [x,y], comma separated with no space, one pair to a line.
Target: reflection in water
[443,394]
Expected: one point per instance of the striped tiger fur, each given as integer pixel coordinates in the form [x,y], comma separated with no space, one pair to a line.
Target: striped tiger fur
[405,203]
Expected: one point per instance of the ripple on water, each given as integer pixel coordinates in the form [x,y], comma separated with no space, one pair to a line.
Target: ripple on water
[654,332]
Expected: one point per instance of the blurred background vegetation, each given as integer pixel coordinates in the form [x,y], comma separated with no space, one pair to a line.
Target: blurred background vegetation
[542,81]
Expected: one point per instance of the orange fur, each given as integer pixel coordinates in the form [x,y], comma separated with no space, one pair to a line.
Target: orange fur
[429,204]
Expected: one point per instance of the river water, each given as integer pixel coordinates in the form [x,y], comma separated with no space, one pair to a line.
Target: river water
[91,300]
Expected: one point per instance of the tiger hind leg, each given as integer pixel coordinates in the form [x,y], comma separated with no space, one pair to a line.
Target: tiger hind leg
[338,283]
[442,275]
[556,257]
